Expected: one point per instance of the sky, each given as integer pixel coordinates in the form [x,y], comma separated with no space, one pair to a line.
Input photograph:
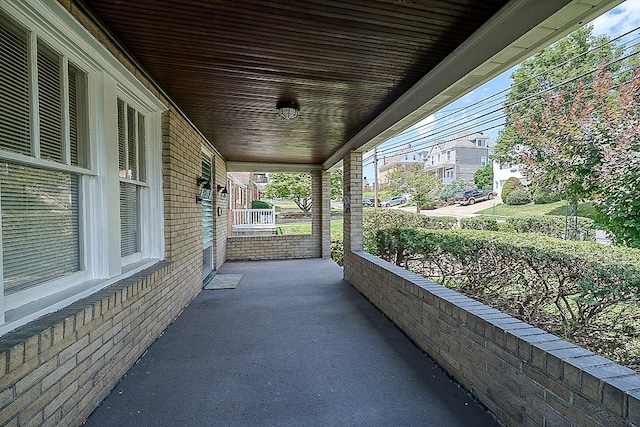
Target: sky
[617,21]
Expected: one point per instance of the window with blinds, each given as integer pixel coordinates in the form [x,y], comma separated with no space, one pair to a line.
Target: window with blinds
[40,230]
[207,207]
[131,159]
[15,134]
[39,205]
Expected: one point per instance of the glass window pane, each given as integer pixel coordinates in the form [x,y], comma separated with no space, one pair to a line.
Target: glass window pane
[15,134]
[207,208]
[78,117]
[40,227]
[129,223]
[122,145]
[50,104]
[132,169]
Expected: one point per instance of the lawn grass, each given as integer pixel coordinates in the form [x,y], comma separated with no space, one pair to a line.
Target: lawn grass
[304,227]
[285,206]
[557,208]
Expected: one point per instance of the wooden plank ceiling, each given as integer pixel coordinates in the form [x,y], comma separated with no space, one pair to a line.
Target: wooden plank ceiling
[226,63]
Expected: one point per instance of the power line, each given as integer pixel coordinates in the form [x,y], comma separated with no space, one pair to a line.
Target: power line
[492,112]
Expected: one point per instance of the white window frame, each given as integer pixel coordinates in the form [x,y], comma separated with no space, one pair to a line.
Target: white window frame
[483,160]
[107,80]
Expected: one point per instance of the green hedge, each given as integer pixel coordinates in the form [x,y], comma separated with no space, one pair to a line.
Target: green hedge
[548,225]
[375,219]
[573,289]
[486,224]
[260,204]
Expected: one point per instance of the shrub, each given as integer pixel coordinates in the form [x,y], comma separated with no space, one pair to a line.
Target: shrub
[510,185]
[543,196]
[448,191]
[550,225]
[337,250]
[428,203]
[518,197]
[486,224]
[375,219]
[572,289]
[260,204]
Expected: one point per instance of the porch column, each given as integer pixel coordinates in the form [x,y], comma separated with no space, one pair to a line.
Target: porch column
[352,188]
[321,212]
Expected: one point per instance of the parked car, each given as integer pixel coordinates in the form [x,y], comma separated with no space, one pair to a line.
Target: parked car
[368,202]
[393,201]
[469,197]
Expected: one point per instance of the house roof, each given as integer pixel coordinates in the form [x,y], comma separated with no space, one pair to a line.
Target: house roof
[361,71]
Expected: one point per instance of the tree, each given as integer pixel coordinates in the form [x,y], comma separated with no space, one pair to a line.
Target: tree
[336,184]
[483,178]
[294,186]
[557,68]
[412,179]
[557,151]
[590,147]
[618,174]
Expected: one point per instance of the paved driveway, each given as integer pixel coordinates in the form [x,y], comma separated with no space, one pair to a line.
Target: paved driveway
[457,211]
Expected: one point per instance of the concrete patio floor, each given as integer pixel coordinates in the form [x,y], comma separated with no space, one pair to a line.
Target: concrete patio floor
[292,345]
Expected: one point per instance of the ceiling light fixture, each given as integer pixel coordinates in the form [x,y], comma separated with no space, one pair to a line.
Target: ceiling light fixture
[288,110]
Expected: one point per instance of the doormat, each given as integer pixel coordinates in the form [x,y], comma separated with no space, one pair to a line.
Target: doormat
[224,281]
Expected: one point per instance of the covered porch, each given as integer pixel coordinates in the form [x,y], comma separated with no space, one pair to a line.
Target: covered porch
[196,85]
[302,348]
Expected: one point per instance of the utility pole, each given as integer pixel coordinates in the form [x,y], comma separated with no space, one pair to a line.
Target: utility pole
[375,177]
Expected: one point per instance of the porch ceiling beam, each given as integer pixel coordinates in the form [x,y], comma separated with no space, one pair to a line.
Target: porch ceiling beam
[271,167]
[520,29]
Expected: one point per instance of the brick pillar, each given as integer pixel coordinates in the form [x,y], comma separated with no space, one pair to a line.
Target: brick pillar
[352,187]
[325,178]
[321,212]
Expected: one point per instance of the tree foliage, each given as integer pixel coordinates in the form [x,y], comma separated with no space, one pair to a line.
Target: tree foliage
[413,180]
[293,186]
[590,147]
[483,178]
[558,67]
[336,184]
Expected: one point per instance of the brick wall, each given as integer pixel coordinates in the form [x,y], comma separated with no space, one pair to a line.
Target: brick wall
[57,369]
[523,375]
[273,247]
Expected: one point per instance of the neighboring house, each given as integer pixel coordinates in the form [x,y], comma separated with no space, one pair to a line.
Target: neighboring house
[399,162]
[459,158]
[245,187]
[502,172]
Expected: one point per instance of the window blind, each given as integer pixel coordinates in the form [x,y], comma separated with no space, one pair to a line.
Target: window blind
[131,147]
[15,134]
[40,227]
[129,223]
[50,104]
[207,207]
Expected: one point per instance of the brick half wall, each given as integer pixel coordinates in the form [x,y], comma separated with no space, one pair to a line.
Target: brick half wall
[273,247]
[522,374]
[57,369]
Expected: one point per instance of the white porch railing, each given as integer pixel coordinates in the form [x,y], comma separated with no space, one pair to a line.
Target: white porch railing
[253,221]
